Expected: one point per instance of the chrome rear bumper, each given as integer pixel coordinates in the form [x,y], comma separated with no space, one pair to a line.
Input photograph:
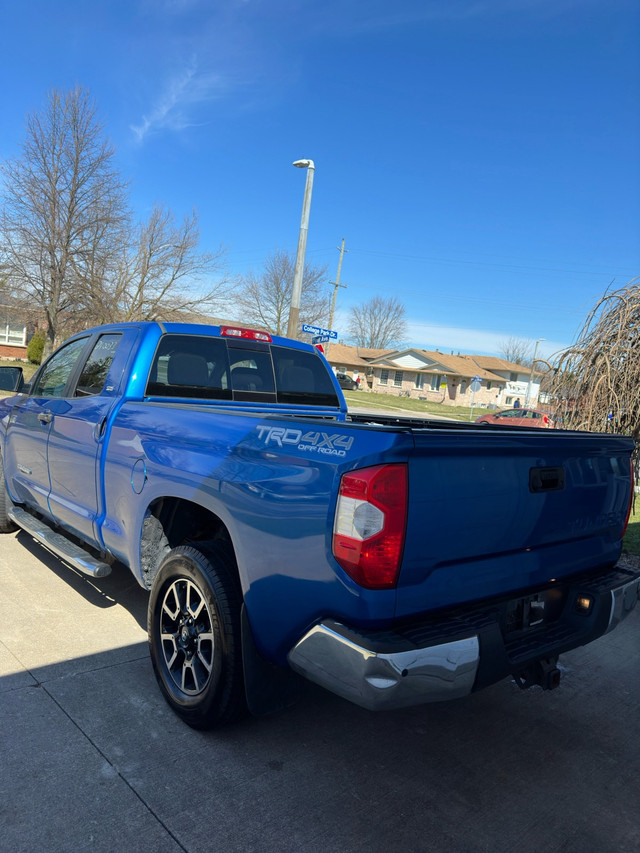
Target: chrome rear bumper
[380,680]
[385,670]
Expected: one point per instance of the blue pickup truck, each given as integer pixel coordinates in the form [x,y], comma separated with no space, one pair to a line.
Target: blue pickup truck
[392,561]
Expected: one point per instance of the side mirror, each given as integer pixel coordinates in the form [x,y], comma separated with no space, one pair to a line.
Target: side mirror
[11,379]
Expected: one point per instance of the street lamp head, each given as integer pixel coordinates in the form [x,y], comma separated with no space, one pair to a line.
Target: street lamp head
[304,164]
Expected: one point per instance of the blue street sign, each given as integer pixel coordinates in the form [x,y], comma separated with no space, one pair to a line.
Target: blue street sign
[316,330]
[320,339]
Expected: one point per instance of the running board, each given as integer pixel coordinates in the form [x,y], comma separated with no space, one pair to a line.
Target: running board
[59,545]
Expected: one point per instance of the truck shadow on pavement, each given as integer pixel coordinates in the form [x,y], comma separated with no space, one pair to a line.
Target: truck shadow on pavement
[499,771]
[120,587]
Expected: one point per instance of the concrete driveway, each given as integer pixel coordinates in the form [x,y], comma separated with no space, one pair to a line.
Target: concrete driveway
[91,759]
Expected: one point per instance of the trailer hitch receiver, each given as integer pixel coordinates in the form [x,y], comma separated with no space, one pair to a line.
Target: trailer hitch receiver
[543,673]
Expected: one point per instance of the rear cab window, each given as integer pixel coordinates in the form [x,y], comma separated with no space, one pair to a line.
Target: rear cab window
[211,368]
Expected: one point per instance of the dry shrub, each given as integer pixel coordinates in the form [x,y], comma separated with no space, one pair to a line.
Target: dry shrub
[597,384]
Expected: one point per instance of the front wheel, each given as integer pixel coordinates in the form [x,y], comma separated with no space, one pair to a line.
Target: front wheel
[6,525]
[195,635]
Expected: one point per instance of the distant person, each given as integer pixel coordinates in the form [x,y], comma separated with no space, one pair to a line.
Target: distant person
[516,404]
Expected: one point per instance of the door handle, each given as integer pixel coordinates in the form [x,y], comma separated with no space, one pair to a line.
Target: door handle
[45,417]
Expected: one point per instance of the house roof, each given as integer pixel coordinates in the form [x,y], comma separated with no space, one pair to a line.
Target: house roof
[484,366]
[368,354]
[462,365]
[342,355]
[493,362]
[438,362]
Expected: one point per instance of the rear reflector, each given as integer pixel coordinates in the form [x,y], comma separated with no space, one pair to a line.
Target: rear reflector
[370,524]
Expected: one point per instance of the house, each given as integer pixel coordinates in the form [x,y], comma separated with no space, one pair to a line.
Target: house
[345,359]
[439,377]
[14,333]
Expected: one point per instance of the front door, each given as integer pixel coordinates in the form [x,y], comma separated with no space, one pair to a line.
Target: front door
[77,434]
[25,454]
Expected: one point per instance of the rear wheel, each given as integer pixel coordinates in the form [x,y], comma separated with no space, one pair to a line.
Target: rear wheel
[6,525]
[195,635]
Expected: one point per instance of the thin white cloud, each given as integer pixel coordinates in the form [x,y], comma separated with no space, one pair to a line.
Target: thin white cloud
[478,341]
[431,336]
[182,95]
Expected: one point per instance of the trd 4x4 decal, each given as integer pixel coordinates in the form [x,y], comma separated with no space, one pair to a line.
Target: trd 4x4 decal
[335,444]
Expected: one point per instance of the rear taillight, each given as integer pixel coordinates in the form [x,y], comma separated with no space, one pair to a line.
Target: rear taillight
[370,523]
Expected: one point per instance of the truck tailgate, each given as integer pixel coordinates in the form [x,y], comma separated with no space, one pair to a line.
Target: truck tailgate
[495,511]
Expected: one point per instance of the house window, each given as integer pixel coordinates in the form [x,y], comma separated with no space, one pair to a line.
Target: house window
[397,379]
[419,381]
[436,381]
[384,377]
[489,385]
[12,333]
[513,377]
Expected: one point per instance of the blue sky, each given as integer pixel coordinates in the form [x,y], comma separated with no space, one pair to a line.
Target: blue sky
[481,158]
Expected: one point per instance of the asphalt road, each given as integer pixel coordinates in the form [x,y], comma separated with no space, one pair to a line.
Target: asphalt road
[91,759]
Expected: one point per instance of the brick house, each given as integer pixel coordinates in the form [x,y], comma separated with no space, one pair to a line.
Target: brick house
[14,333]
[438,377]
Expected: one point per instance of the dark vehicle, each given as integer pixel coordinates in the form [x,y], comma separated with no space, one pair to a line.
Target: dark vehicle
[519,417]
[346,382]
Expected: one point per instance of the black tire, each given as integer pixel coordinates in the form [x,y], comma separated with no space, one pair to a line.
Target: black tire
[195,635]
[6,525]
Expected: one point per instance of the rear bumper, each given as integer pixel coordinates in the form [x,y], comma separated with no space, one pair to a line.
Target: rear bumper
[452,654]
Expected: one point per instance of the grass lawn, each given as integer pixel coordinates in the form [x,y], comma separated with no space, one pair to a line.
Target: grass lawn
[631,541]
[28,370]
[362,399]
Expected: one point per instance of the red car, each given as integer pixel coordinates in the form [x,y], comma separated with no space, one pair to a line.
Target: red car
[519,417]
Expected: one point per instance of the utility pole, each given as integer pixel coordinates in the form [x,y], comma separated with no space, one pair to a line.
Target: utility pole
[336,284]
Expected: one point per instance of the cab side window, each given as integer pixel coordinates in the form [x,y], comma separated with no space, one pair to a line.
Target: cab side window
[56,373]
[94,373]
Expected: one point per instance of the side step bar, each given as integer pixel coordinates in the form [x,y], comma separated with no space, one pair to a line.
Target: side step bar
[59,545]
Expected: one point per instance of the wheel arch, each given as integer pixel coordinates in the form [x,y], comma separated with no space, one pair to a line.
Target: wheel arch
[171,521]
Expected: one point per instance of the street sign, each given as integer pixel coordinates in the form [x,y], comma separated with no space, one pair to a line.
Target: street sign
[320,339]
[476,382]
[316,330]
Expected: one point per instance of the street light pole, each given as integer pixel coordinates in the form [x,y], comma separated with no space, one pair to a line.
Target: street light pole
[533,364]
[294,310]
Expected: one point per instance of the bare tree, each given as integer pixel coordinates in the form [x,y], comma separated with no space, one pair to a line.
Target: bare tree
[516,350]
[264,299]
[64,205]
[599,376]
[378,324]
[165,276]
